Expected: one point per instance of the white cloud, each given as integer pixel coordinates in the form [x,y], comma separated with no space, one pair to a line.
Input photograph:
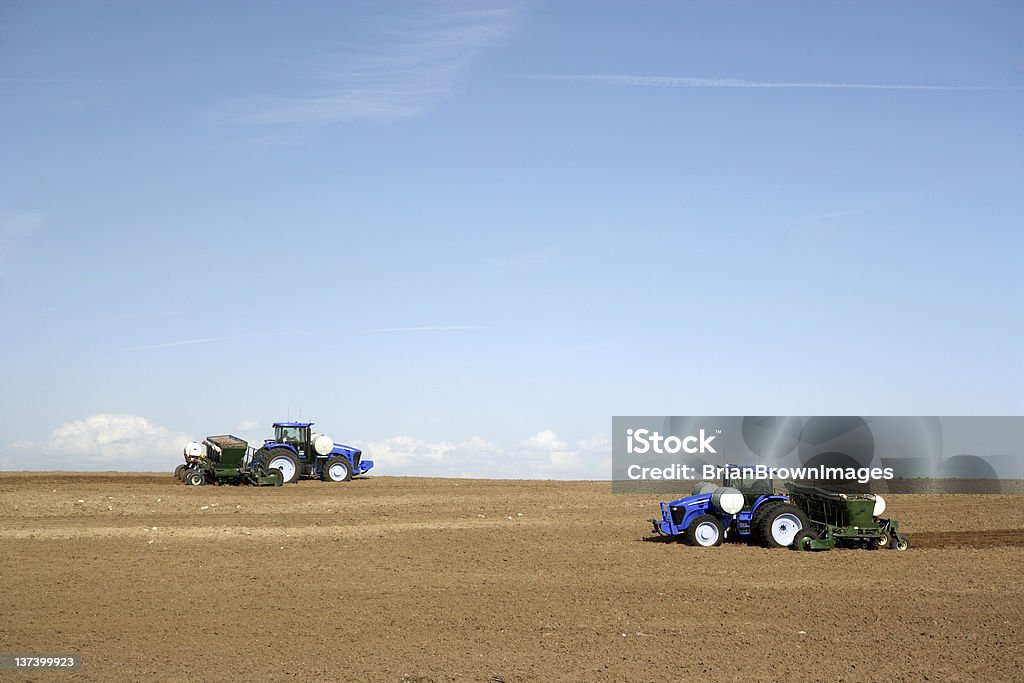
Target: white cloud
[541,456]
[556,458]
[115,442]
[400,72]
[546,440]
[122,442]
[412,456]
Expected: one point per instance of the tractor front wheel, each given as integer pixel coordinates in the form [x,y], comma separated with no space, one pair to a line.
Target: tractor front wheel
[195,478]
[336,469]
[781,524]
[284,460]
[705,531]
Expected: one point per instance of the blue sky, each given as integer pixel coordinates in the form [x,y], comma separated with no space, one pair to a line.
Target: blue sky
[465,234]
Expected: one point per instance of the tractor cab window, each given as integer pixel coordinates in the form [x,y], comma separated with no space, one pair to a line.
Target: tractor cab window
[750,486]
[292,434]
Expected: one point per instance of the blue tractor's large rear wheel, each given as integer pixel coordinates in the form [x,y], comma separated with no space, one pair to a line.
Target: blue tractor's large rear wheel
[284,461]
[781,523]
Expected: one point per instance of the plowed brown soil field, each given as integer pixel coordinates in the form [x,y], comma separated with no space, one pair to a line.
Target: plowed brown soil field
[404,579]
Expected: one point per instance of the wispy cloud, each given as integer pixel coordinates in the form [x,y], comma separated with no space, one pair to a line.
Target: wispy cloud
[209,340]
[425,328]
[401,72]
[185,342]
[691,82]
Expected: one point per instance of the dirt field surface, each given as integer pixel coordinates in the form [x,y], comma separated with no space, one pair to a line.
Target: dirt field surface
[404,579]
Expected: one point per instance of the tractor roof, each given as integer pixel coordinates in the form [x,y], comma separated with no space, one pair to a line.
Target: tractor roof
[293,424]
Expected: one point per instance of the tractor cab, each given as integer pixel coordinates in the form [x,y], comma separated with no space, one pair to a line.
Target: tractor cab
[295,434]
[751,486]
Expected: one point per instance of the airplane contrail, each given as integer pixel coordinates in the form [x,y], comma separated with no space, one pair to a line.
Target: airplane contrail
[208,340]
[185,342]
[689,82]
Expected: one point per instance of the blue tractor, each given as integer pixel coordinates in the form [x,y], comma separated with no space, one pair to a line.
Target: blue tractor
[298,452]
[743,507]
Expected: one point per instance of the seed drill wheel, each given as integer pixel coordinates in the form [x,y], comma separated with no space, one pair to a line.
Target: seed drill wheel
[337,469]
[781,524]
[802,540]
[284,460]
[180,470]
[195,478]
[705,531]
[902,543]
[883,542]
